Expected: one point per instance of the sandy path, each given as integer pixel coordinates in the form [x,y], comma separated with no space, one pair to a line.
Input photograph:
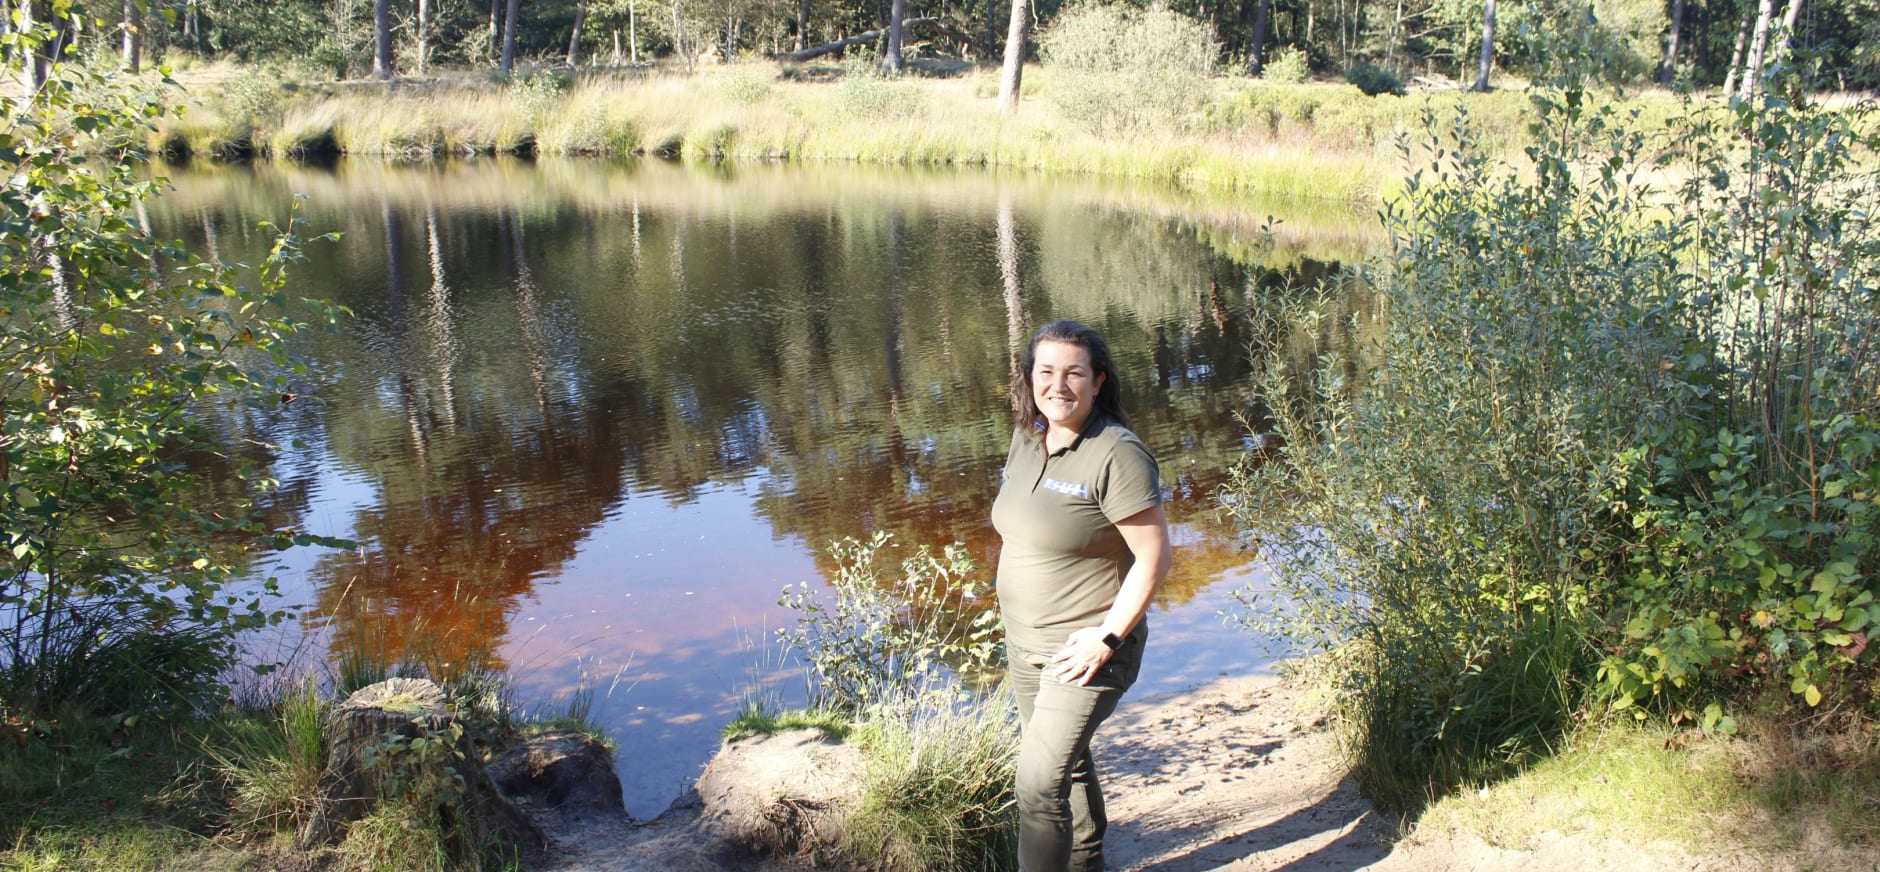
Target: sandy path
[1228,775]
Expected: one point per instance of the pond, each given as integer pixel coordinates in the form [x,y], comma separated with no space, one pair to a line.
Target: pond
[591,418]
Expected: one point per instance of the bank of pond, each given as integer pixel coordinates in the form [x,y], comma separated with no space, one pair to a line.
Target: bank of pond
[1309,140]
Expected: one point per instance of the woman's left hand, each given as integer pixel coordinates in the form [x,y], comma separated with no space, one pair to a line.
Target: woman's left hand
[1082,655]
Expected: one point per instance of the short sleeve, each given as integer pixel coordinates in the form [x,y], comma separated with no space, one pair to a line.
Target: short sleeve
[1133,482]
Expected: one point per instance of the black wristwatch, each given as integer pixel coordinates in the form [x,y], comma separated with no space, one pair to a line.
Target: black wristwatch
[1112,641]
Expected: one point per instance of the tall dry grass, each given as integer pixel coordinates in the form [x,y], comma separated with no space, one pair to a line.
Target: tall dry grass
[1251,138]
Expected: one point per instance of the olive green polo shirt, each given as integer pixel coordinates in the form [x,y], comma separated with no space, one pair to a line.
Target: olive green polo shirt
[1062,559]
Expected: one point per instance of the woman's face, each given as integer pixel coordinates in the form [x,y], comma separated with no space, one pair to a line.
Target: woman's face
[1063,384]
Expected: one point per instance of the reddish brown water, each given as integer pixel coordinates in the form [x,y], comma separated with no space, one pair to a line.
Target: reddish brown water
[590,419]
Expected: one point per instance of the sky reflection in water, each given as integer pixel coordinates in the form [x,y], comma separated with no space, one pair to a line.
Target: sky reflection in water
[592,418]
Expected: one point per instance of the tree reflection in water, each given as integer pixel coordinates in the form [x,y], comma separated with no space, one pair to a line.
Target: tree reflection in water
[613,375]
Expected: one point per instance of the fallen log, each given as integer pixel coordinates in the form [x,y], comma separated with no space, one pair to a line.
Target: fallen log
[858,39]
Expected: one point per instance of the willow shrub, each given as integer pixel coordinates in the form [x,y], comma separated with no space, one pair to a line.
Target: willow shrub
[883,637]
[1754,522]
[1595,459]
[1118,71]
[118,356]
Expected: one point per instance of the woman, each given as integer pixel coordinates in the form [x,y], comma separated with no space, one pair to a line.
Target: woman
[1085,546]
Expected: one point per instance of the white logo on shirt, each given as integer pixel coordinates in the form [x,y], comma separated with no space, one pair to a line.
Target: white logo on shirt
[1081,491]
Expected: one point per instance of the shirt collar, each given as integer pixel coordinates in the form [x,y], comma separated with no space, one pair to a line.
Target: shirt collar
[1092,426]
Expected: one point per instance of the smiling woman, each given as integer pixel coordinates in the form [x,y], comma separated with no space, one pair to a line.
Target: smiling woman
[1085,543]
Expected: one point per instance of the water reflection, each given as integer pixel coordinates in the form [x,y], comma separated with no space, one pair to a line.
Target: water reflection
[608,411]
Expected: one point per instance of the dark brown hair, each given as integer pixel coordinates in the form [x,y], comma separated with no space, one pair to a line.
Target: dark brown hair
[1025,414]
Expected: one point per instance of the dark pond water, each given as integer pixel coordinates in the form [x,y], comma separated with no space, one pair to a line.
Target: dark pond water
[591,418]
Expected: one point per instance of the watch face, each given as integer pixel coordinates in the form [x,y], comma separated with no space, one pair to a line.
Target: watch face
[1112,641]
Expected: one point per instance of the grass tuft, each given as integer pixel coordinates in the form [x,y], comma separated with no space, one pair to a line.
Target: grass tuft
[938,793]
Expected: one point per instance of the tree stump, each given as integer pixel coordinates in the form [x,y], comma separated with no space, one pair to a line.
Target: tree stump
[401,732]
[565,773]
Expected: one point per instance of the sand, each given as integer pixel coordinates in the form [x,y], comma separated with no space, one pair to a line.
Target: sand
[1235,774]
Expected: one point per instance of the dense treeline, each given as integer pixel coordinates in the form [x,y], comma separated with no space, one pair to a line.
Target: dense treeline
[1696,42]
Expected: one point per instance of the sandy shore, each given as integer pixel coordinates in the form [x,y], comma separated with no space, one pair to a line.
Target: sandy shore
[1233,774]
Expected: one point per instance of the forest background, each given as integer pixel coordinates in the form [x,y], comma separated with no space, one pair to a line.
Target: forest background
[1683,528]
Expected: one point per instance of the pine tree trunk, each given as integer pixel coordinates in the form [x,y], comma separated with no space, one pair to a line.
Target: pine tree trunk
[31,73]
[892,61]
[1736,56]
[133,35]
[1256,51]
[1758,46]
[382,39]
[1788,31]
[574,39]
[1671,44]
[802,26]
[1487,62]
[496,25]
[509,36]
[1012,76]
[424,34]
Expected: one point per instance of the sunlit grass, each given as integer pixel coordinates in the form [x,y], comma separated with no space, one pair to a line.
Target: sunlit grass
[1312,140]
[1774,796]
[1619,782]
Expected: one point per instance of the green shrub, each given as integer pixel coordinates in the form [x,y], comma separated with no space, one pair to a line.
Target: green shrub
[746,84]
[1756,537]
[895,662]
[1288,66]
[121,353]
[1430,516]
[883,634]
[1374,80]
[1117,71]
[1616,445]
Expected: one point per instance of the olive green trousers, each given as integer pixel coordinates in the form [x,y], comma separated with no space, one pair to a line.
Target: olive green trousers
[1060,804]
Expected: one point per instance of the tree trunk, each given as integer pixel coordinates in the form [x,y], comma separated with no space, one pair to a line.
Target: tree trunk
[574,39]
[382,39]
[678,37]
[1488,49]
[1396,38]
[496,27]
[1758,45]
[32,73]
[858,39]
[1788,31]
[633,34]
[1671,44]
[424,35]
[133,35]
[802,26]
[992,30]
[1256,51]
[509,36]
[1736,56]
[1012,76]
[892,61]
